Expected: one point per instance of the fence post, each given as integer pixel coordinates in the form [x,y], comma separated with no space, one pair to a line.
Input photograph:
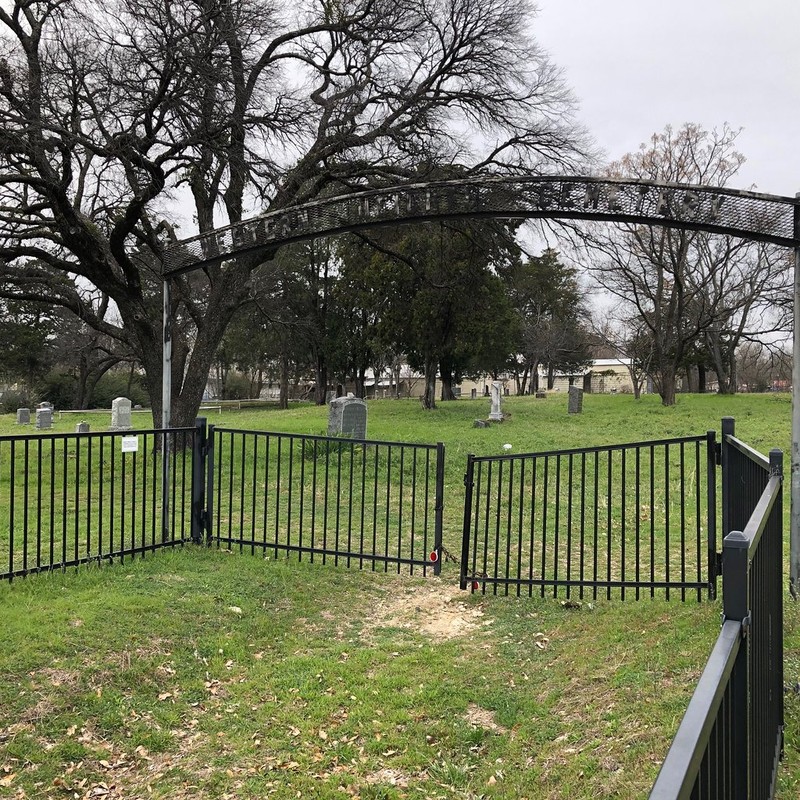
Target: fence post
[439,508]
[711,492]
[468,483]
[736,607]
[209,515]
[728,429]
[198,479]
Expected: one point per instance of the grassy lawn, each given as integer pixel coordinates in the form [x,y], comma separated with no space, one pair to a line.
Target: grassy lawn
[200,673]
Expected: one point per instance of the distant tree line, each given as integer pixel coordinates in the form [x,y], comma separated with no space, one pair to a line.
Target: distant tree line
[450,300]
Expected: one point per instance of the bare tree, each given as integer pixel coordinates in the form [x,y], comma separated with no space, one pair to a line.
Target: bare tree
[684,285]
[744,286]
[112,113]
[627,340]
[764,367]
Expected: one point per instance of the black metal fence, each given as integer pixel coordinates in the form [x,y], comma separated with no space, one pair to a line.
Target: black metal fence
[356,502]
[69,499]
[730,741]
[632,519]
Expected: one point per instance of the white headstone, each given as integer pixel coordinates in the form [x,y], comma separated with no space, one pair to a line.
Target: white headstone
[121,414]
[496,415]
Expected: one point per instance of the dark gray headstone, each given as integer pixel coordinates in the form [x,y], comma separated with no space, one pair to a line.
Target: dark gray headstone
[541,395]
[44,419]
[347,416]
[82,427]
[575,400]
[473,394]
[23,416]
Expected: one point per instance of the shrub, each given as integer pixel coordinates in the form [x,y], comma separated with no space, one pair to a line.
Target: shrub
[13,399]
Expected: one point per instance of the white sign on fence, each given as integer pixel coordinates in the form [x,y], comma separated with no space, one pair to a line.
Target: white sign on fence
[130,444]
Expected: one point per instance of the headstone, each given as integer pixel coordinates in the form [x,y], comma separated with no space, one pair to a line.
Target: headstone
[330,395]
[82,427]
[541,395]
[496,415]
[506,391]
[473,394]
[44,419]
[481,423]
[23,416]
[121,414]
[347,416]
[575,405]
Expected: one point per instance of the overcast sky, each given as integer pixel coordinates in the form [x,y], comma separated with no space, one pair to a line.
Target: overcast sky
[637,65]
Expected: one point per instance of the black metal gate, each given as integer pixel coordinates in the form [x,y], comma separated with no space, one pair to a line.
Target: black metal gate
[633,519]
[364,503]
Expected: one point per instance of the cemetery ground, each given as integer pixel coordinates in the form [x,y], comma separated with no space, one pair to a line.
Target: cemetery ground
[206,674]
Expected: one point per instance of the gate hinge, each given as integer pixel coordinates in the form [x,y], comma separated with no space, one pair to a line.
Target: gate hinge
[746,622]
[467,481]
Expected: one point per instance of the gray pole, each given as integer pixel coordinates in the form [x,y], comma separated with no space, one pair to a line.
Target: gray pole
[166,403]
[166,360]
[794,524]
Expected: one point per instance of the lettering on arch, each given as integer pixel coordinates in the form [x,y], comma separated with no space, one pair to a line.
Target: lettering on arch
[748,215]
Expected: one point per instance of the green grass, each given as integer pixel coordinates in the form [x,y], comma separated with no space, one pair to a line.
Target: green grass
[144,679]
[206,674]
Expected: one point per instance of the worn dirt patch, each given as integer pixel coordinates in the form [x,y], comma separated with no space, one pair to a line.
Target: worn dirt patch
[483,718]
[434,608]
[392,777]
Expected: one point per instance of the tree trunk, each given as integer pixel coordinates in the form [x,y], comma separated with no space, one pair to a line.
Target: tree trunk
[429,395]
[360,380]
[535,377]
[283,394]
[636,382]
[666,384]
[320,380]
[701,379]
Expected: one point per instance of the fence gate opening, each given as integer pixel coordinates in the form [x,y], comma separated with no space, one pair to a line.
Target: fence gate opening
[631,519]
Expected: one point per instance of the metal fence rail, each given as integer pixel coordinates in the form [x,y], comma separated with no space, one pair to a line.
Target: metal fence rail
[69,499]
[730,741]
[632,519]
[358,502]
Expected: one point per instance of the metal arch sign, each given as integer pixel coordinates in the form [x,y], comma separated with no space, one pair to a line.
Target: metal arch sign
[747,215]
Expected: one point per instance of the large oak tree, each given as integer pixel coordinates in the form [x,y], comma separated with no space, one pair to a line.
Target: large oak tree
[115,114]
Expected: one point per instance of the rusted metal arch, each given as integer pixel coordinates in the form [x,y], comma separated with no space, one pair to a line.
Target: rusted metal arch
[747,215]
